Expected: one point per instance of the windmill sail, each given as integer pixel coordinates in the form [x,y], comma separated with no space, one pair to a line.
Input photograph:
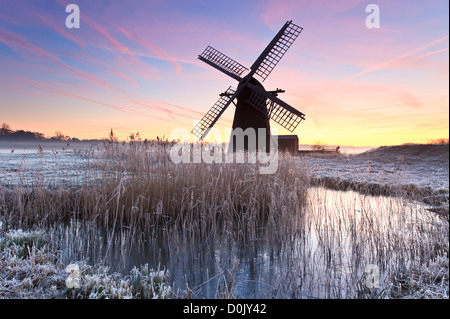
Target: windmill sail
[286,117]
[277,110]
[258,101]
[276,49]
[223,63]
[211,117]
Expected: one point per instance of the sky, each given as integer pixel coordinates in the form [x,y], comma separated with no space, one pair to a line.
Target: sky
[132,66]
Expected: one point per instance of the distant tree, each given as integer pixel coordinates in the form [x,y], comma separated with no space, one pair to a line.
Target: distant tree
[5,129]
[38,136]
[60,136]
[6,133]
[22,135]
[318,146]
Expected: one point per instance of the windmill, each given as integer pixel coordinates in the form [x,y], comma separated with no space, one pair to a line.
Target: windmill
[255,106]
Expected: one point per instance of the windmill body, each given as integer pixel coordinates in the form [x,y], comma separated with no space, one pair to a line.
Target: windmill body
[247,116]
[255,106]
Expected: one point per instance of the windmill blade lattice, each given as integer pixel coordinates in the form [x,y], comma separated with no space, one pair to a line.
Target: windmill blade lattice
[267,61]
[277,110]
[211,117]
[284,117]
[223,63]
[258,101]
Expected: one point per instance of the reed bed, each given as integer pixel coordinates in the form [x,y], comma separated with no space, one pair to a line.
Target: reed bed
[136,186]
[128,197]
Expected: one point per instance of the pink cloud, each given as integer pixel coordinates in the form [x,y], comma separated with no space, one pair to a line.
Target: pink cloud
[123,75]
[153,48]
[19,42]
[44,87]
[56,27]
[100,29]
[135,65]
[184,109]
[85,18]
[275,12]
[15,41]
[171,113]
[419,57]
[401,58]
[19,67]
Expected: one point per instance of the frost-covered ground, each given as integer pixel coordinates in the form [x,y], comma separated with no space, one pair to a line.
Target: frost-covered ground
[51,164]
[30,269]
[421,165]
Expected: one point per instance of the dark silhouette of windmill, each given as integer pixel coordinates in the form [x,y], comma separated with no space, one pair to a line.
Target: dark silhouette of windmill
[255,106]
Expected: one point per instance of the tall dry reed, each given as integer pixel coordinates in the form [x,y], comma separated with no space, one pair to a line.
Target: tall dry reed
[136,186]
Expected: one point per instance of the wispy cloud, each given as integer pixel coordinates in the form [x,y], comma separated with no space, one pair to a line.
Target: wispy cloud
[123,75]
[401,59]
[419,57]
[16,42]
[173,111]
[121,48]
[154,48]
[58,28]
[50,89]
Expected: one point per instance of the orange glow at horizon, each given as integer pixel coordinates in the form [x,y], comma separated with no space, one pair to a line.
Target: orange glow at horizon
[135,69]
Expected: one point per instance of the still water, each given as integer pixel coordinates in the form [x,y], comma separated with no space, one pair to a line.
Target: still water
[328,251]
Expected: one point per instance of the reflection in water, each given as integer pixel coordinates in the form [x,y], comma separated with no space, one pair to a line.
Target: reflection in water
[324,254]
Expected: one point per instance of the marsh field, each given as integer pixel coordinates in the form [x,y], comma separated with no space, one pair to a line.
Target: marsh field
[121,220]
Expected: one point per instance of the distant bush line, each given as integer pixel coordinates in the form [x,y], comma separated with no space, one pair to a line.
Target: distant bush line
[6,133]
